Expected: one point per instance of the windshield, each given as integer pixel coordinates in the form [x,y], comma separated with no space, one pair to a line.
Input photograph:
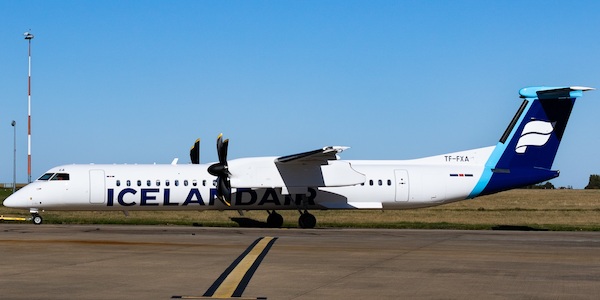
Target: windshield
[46,176]
[54,176]
[60,176]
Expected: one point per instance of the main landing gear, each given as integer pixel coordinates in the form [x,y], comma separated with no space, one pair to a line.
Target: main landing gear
[306,220]
[274,220]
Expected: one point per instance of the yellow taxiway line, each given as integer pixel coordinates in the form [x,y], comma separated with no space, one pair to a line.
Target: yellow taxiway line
[232,283]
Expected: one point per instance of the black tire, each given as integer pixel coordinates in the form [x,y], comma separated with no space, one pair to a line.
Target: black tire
[274,220]
[307,220]
[37,219]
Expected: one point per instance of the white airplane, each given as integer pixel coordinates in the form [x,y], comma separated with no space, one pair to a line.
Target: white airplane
[317,179]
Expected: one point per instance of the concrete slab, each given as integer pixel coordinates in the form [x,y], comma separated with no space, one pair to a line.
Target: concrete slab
[157,262]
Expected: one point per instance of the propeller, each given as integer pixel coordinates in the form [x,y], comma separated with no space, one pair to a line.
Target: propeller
[220,170]
[195,152]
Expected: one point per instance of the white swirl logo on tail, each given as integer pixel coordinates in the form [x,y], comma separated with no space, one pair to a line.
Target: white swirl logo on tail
[535,133]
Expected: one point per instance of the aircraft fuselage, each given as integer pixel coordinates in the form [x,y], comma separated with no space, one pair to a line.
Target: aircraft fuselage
[400,184]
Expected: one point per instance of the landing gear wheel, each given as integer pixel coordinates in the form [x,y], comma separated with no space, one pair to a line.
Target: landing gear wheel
[274,220]
[307,220]
[36,219]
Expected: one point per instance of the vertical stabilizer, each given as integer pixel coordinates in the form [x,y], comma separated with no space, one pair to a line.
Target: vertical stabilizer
[526,151]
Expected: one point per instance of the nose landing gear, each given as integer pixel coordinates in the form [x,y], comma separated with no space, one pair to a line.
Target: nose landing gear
[36,219]
[35,216]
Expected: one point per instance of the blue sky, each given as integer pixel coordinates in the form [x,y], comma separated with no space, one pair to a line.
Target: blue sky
[139,81]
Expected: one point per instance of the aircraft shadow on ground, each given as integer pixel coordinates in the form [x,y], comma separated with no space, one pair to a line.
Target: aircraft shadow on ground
[251,223]
[517,228]
[243,222]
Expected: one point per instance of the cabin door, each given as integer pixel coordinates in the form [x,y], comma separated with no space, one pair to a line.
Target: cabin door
[97,187]
[401,185]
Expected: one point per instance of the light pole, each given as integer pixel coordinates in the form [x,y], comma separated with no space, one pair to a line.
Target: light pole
[14,125]
[29,37]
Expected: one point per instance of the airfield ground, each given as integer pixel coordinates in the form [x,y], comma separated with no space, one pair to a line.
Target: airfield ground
[157,262]
[516,209]
[66,260]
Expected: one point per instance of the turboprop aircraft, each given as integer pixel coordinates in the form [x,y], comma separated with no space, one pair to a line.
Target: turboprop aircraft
[317,179]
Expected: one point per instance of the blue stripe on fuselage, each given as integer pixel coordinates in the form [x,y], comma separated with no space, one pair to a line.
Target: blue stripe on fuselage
[492,161]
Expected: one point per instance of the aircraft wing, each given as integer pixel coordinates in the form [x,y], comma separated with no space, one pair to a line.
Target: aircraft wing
[316,156]
[296,172]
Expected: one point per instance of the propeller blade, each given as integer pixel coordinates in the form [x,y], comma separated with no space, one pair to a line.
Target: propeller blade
[222,146]
[195,152]
[224,191]
[220,170]
[223,152]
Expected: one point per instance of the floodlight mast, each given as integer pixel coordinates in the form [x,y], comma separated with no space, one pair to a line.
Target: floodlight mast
[14,125]
[29,37]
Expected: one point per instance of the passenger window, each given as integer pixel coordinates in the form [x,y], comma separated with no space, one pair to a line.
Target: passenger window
[139,183]
[158,183]
[46,176]
[204,182]
[148,182]
[185,182]
[389,182]
[194,182]
[176,182]
[371,182]
[118,182]
[380,182]
[128,182]
[167,182]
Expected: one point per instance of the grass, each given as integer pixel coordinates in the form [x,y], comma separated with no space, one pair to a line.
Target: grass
[516,209]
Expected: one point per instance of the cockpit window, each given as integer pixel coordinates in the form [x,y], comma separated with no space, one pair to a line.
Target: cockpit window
[46,176]
[60,176]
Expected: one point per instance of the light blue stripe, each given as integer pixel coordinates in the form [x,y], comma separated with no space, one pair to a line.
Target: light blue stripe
[575,94]
[492,161]
[486,176]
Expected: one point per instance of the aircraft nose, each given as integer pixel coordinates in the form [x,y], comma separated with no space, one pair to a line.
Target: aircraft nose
[15,201]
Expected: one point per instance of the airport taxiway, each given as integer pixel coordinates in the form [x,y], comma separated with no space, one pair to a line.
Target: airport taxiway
[158,262]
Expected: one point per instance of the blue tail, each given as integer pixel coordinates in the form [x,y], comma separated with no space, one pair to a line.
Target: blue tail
[526,151]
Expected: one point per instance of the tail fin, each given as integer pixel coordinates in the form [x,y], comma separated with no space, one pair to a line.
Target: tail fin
[526,151]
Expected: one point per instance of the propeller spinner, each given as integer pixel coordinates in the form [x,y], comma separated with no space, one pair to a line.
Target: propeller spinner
[220,170]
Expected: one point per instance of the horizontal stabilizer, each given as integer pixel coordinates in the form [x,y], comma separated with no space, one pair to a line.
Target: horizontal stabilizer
[543,92]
